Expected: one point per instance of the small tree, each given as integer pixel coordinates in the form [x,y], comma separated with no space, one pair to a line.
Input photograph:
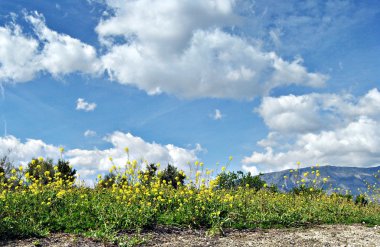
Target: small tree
[172,176]
[232,180]
[149,175]
[6,165]
[108,181]
[66,172]
[43,170]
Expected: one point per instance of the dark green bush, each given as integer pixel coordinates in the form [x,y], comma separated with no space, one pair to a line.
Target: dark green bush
[232,180]
[172,176]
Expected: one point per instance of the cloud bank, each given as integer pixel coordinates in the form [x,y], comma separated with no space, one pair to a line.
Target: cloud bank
[319,128]
[177,47]
[23,57]
[89,162]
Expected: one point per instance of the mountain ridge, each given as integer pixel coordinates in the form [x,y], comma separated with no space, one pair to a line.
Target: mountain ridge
[341,179]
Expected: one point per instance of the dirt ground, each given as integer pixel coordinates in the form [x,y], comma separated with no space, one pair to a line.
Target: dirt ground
[325,235]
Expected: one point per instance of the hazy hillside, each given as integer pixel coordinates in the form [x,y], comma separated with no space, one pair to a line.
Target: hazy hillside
[346,178]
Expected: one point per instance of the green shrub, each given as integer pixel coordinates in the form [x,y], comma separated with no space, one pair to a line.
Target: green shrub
[172,176]
[231,180]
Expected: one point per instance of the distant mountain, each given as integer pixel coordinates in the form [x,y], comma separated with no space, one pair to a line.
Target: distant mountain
[340,179]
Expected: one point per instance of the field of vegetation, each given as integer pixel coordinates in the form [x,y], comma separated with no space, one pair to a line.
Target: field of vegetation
[45,197]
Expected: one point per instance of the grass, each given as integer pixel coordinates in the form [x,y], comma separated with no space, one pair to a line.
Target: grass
[137,202]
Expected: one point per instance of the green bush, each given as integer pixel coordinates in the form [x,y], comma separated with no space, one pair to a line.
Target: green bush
[172,176]
[232,180]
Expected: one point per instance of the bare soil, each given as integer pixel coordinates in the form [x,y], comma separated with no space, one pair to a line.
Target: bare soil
[324,235]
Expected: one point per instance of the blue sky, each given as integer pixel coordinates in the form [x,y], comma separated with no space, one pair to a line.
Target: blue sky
[268,82]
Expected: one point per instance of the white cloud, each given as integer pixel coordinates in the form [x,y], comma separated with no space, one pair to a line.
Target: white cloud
[217,115]
[62,54]
[319,128]
[315,112]
[85,106]
[24,152]
[89,133]
[18,55]
[291,113]
[23,56]
[252,169]
[177,47]
[90,162]
[171,49]
[168,25]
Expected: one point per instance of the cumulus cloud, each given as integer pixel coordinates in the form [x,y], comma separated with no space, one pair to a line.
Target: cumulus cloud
[314,112]
[252,169]
[92,161]
[319,128]
[62,54]
[85,106]
[18,55]
[179,47]
[23,152]
[292,113]
[23,56]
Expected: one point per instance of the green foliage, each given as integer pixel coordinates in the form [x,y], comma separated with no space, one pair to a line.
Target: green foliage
[42,170]
[232,180]
[149,174]
[233,200]
[172,176]
[5,167]
[46,171]
[306,190]
[361,200]
[66,172]
[108,181]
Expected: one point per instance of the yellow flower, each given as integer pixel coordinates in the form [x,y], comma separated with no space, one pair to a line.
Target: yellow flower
[223,168]
[61,150]
[230,158]
[40,159]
